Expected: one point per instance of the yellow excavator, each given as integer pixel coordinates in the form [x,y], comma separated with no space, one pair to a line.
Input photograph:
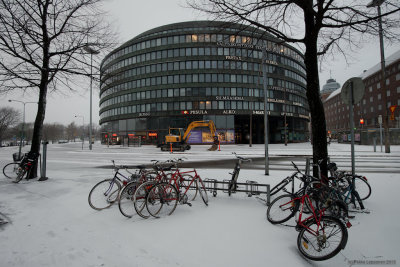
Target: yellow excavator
[178,139]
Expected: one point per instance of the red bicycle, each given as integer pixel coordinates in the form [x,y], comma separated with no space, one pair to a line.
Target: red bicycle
[163,197]
[320,236]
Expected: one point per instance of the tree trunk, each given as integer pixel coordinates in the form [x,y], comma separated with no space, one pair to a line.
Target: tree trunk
[318,124]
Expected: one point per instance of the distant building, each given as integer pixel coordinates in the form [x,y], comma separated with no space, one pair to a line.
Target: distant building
[328,88]
[203,70]
[371,106]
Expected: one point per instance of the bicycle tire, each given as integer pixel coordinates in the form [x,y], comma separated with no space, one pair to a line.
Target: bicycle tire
[357,197]
[125,200]
[10,171]
[363,187]
[279,186]
[139,198]
[232,184]
[162,200]
[21,173]
[282,209]
[325,247]
[191,193]
[98,199]
[203,191]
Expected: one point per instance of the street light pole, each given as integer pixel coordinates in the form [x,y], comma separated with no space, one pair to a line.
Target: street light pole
[83,128]
[92,52]
[23,123]
[377,4]
[265,85]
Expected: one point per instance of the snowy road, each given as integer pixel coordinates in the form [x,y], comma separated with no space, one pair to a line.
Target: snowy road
[51,223]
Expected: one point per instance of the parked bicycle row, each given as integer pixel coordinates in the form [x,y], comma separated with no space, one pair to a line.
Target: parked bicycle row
[149,192]
[321,207]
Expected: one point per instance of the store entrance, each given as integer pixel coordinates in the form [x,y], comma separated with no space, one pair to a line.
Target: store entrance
[242,129]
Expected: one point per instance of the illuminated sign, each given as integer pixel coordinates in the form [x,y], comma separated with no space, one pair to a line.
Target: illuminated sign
[185,112]
[152,134]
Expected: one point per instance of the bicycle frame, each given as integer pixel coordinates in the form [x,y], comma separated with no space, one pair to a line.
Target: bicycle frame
[178,174]
[301,222]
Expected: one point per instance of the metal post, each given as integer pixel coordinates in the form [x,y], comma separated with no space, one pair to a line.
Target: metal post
[374,139]
[377,4]
[265,85]
[91,82]
[44,159]
[251,121]
[352,128]
[380,129]
[23,123]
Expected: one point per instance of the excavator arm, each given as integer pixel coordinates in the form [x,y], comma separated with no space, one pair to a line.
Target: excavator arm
[196,124]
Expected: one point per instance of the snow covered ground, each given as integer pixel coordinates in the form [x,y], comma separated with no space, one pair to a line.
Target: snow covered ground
[51,223]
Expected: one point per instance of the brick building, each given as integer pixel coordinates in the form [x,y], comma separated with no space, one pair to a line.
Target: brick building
[371,106]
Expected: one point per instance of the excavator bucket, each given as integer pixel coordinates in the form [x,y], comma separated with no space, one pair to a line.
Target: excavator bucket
[213,147]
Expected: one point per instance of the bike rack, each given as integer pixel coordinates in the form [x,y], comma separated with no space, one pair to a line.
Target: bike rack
[251,188]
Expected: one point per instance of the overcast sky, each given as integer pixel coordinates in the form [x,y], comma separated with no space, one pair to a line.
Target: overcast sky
[132,17]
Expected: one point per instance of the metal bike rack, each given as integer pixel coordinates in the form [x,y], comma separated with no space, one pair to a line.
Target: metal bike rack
[251,188]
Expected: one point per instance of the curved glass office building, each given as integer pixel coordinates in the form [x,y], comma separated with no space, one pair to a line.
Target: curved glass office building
[203,70]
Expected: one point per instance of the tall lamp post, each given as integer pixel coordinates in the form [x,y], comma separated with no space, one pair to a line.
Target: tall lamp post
[23,122]
[377,4]
[83,128]
[92,52]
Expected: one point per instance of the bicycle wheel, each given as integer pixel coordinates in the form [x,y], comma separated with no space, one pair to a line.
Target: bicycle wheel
[191,192]
[322,241]
[203,191]
[125,201]
[282,209]
[139,199]
[104,194]
[11,170]
[162,199]
[20,174]
[363,187]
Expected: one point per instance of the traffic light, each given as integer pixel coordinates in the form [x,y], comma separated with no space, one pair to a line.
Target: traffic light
[362,121]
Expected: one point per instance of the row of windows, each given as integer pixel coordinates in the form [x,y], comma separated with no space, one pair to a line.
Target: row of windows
[200,78]
[204,92]
[244,54]
[203,38]
[201,105]
[199,64]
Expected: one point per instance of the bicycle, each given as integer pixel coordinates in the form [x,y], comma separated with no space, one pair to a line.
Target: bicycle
[306,179]
[167,194]
[320,236]
[235,174]
[139,194]
[19,170]
[106,192]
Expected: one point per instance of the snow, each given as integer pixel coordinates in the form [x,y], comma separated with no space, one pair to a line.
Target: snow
[51,223]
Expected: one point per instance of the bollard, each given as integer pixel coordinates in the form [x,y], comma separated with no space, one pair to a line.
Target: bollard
[43,167]
[219,146]
[374,144]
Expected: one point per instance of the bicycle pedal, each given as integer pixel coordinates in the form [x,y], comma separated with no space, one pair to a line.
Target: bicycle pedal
[189,204]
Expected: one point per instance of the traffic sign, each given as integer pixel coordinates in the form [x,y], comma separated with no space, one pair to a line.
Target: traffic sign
[392,108]
[355,83]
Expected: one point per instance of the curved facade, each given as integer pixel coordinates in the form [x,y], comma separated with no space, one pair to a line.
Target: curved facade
[178,73]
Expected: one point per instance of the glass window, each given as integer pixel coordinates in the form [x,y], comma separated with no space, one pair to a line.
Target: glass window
[182,92]
[208,104]
[170,92]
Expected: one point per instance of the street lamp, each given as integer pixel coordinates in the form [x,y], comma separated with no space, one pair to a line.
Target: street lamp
[23,122]
[92,52]
[377,4]
[83,128]
[265,87]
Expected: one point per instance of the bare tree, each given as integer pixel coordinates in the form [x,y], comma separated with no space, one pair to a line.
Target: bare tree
[318,27]
[8,118]
[71,131]
[53,132]
[44,44]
